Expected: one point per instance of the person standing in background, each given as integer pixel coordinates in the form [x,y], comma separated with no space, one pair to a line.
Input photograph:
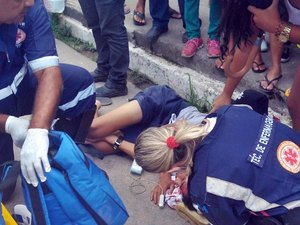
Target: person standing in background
[106,19]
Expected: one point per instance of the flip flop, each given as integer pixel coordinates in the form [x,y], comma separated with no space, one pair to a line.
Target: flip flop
[258,65]
[141,16]
[276,79]
[174,14]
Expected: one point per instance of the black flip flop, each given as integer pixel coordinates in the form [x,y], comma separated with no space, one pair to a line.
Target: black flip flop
[141,16]
[258,65]
[270,82]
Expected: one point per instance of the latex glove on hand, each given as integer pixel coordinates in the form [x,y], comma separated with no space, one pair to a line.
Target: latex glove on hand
[33,157]
[17,128]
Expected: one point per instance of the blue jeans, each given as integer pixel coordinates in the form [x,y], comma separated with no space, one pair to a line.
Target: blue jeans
[106,19]
[159,11]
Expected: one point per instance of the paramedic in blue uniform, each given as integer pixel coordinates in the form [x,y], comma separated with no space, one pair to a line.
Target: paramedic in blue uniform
[243,167]
[33,82]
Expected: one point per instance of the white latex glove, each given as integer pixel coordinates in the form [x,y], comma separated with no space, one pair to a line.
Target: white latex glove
[17,128]
[34,155]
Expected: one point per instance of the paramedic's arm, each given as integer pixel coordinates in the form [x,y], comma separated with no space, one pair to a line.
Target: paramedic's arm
[47,97]
[269,20]
[33,157]
[128,114]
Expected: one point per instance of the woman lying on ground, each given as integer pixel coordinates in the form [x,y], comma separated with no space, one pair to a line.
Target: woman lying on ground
[242,166]
[155,106]
[242,31]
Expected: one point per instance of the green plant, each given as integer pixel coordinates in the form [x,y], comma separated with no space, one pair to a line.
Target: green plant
[64,33]
[202,104]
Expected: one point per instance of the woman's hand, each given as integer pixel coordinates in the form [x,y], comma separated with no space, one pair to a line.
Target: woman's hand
[266,19]
[221,100]
[164,183]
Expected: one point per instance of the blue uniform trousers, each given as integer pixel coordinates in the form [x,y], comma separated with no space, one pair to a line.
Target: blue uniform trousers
[77,96]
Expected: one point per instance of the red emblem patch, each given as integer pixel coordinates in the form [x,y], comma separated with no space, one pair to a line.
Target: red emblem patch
[20,36]
[288,155]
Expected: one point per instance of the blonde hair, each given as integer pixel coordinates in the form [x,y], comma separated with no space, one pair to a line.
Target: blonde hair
[152,151]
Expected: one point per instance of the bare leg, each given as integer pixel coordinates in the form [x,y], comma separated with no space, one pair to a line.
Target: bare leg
[294,102]
[276,48]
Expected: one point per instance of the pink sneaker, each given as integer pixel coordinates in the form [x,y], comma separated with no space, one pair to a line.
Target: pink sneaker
[213,48]
[190,47]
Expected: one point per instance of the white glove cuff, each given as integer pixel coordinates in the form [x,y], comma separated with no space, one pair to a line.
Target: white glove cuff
[37,131]
[9,120]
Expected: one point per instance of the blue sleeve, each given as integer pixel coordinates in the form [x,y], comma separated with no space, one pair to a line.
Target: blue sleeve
[158,103]
[40,40]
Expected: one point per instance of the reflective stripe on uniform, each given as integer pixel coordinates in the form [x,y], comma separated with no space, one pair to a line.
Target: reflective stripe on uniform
[89,91]
[12,89]
[44,62]
[234,191]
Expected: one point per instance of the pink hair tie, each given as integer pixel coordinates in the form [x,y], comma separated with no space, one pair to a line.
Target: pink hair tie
[171,142]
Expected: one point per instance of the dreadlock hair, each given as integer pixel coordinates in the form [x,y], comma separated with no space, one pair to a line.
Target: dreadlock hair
[154,154]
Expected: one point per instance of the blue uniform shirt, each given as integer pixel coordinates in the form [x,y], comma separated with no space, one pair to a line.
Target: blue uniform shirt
[161,105]
[30,42]
[248,163]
